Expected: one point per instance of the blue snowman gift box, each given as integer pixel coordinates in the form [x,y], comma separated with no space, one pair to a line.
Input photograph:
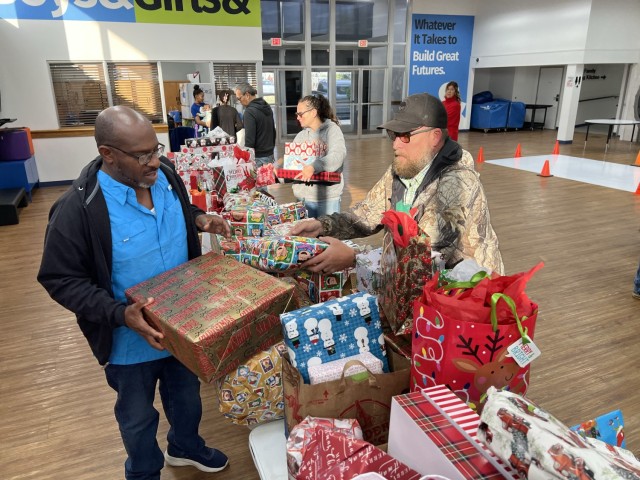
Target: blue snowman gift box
[333,330]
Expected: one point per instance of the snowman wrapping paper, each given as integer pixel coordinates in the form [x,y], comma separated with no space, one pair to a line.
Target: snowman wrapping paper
[333,330]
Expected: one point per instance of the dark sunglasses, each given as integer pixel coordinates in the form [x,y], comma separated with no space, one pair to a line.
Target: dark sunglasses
[405,137]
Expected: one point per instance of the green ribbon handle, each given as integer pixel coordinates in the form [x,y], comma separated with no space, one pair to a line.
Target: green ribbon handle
[473,281]
[494,317]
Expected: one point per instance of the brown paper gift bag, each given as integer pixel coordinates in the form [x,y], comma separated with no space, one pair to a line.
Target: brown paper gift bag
[368,400]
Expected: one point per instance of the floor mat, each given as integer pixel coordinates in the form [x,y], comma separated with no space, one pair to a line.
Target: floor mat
[595,172]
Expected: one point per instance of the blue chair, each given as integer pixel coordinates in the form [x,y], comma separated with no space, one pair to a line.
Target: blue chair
[178,135]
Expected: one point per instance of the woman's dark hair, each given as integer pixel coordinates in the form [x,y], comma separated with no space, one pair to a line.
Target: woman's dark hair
[197,90]
[455,86]
[322,106]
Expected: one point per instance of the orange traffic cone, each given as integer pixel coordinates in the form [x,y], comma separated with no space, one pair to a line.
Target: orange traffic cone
[638,189]
[637,164]
[545,170]
[480,158]
[556,148]
[518,153]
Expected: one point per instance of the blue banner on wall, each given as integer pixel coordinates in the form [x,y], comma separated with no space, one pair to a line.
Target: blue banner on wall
[239,13]
[440,53]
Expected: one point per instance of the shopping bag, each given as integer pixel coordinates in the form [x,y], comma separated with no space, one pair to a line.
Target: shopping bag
[469,357]
[366,399]
[405,265]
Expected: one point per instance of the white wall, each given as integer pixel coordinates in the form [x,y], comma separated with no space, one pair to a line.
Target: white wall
[612,35]
[597,88]
[27,46]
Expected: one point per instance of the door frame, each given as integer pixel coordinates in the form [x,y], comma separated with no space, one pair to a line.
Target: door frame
[555,89]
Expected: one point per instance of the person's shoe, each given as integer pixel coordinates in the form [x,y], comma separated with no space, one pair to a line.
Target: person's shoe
[209,460]
[635,295]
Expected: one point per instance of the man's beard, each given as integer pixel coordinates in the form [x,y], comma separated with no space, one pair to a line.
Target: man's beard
[406,169]
[132,182]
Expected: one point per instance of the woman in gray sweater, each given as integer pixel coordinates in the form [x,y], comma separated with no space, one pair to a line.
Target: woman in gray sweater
[320,126]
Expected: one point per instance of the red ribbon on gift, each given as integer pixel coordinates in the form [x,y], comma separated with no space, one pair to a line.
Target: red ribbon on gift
[402,225]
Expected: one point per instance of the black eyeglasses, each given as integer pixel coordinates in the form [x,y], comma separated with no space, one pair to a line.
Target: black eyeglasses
[405,137]
[299,114]
[143,158]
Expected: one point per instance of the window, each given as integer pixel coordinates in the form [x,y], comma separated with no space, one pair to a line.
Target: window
[82,91]
[136,85]
[228,75]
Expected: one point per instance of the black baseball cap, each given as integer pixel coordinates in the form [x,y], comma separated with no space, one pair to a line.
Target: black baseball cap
[416,111]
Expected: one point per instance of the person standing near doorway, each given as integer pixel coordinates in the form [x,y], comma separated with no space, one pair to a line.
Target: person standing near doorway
[452,105]
[259,125]
[320,127]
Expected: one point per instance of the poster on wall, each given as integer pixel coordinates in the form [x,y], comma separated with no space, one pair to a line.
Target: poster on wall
[240,13]
[440,53]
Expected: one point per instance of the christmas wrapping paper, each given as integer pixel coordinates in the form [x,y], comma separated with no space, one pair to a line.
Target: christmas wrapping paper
[368,271]
[333,370]
[322,287]
[302,434]
[324,177]
[252,393]
[245,221]
[335,329]
[404,273]
[608,428]
[297,155]
[281,229]
[334,455]
[434,432]
[269,254]
[214,312]
[539,446]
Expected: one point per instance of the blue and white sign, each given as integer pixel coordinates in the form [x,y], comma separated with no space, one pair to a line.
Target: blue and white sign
[440,53]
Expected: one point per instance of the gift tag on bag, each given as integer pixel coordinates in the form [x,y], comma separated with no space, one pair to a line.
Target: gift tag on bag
[523,353]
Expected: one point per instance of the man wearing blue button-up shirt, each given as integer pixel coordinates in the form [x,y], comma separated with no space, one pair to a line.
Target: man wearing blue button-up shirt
[128,218]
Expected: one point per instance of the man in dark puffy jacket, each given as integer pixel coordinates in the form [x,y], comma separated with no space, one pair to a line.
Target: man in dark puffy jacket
[128,218]
[259,126]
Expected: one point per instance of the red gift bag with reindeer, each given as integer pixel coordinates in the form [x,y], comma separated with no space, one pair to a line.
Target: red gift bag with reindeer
[471,336]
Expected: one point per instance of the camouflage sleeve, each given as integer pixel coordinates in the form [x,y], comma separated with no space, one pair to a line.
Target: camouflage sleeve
[363,219]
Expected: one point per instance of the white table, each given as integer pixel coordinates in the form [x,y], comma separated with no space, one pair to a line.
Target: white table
[611,122]
[268,446]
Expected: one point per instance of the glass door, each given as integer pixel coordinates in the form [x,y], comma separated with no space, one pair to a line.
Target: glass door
[282,89]
[360,100]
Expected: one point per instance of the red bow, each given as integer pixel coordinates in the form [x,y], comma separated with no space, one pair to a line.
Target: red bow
[402,225]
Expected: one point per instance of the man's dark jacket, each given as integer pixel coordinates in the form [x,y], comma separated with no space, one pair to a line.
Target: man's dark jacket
[77,257]
[259,127]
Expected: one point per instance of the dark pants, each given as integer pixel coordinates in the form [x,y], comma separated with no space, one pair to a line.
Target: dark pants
[138,419]
[636,282]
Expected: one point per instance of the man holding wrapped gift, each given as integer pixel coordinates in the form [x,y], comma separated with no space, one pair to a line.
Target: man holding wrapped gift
[127,218]
[431,173]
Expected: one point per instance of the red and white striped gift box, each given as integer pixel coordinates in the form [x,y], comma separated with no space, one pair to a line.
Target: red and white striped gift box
[434,432]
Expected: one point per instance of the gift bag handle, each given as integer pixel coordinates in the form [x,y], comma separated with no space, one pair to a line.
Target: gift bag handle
[373,383]
[473,281]
[495,298]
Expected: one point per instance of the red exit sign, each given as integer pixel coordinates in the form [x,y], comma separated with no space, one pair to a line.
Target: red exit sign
[363,43]
[276,42]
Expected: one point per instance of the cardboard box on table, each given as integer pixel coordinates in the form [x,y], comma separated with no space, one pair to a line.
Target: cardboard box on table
[215,312]
[434,432]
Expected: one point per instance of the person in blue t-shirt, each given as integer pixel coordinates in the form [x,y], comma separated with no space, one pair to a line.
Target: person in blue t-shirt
[125,219]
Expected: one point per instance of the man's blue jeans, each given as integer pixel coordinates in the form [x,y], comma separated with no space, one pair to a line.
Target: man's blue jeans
[138,419]
[636,282]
